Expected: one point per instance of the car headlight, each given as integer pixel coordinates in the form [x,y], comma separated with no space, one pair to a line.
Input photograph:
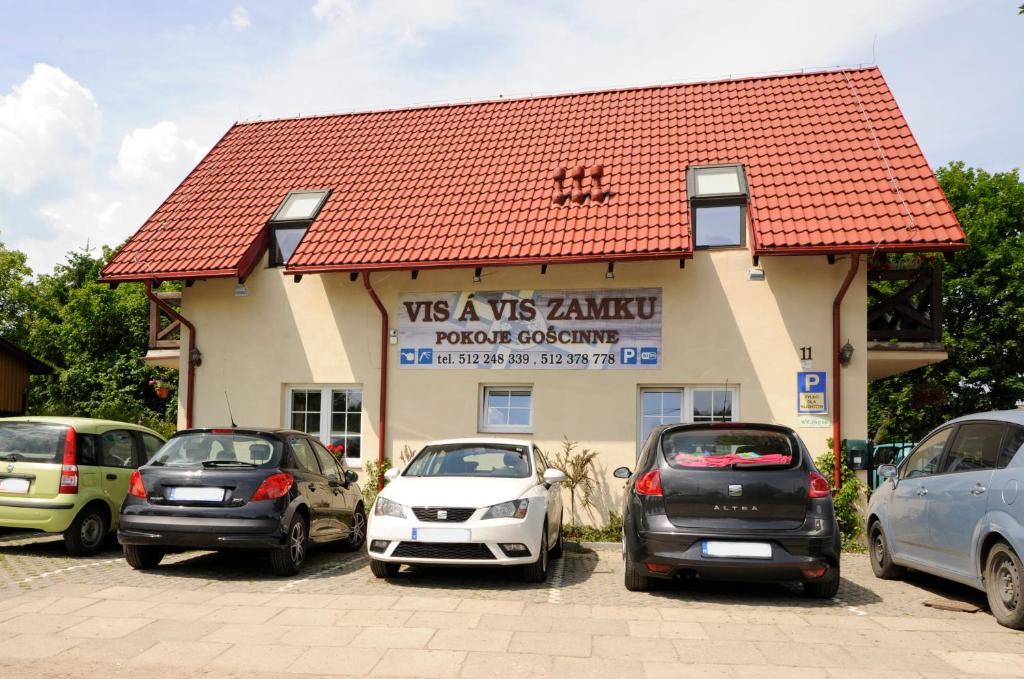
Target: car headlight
[515,509]
[386,507]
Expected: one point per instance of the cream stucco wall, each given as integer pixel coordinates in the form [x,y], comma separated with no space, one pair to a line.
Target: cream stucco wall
[718,328]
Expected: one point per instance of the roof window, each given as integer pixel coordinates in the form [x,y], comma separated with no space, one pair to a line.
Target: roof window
[718,205]
[291,221]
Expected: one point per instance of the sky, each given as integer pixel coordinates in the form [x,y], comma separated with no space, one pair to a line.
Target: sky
[105,106]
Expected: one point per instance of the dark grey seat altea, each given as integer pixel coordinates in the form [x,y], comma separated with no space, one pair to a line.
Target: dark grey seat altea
[955,508]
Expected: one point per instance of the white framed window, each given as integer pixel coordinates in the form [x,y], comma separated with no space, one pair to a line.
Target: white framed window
[331,413]
[506,409]
[674,404]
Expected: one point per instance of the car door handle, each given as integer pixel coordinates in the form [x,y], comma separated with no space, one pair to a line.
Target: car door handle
[978,489]
[922,491]
[312,486]
[112,477]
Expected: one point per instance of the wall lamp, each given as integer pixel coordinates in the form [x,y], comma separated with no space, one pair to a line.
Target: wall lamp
[755,273]
[477,272]
[846,353]
[611,271]
[241,290]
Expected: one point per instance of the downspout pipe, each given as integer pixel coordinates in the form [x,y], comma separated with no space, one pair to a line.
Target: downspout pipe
[382,424]
[837,382]
[190,371]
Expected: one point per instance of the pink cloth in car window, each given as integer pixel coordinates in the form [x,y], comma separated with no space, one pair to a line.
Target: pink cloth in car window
[685,460]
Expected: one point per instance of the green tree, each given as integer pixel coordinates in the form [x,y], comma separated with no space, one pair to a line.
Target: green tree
[96,337]
[16,295]
[983,315]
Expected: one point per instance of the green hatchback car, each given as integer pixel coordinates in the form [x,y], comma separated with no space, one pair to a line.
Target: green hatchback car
[69,475]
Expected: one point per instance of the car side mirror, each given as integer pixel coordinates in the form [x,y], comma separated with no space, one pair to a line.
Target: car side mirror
[351,476]
[887,471]
[553,476]
[622,473]
[392,474]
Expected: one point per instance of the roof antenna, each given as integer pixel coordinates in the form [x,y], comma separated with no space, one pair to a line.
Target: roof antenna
[230,416]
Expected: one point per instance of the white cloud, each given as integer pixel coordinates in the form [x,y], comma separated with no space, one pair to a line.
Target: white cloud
[49,128]
[150,154]
[239,18]
[332,10]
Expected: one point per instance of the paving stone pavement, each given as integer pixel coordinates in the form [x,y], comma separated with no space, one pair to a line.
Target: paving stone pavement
[223,615]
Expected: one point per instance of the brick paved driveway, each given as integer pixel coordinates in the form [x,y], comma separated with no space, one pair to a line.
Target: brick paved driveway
[205,614]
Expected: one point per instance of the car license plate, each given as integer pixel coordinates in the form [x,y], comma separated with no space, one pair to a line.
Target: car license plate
[736,550]
[440,534]
[14,485]
[195,494]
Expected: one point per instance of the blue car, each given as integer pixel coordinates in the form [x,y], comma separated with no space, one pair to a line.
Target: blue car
[955,508]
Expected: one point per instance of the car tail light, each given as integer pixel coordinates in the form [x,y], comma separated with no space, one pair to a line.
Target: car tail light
[819,486]
[222,431]
[649,483]
[274,486]
[659,567]
[136,487]
[69,467]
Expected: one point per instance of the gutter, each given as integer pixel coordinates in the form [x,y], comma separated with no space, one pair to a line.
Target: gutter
[836,378]
[382,422]
[190,371]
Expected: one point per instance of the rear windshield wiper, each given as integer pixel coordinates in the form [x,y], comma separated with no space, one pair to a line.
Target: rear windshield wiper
[228,463]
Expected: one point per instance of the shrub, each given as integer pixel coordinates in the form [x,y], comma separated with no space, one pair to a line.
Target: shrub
[847,499]
[610,532]
[580,475]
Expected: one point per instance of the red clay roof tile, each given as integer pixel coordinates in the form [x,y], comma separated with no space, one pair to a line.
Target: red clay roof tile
[472,183]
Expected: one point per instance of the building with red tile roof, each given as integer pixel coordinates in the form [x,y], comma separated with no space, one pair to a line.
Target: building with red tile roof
[582,265]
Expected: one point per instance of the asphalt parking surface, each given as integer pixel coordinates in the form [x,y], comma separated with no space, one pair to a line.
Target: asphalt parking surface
[218,613]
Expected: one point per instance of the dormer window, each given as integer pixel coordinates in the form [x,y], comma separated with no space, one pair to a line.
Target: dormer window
[290,222]
[718,204]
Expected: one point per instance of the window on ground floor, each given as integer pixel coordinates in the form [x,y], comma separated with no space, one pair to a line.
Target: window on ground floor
[672,405]
[333,414]
[506,409]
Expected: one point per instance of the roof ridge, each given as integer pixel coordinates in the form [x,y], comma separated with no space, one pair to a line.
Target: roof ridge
[825,70]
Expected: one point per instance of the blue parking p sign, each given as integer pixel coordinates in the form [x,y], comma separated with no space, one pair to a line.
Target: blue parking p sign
[811,393]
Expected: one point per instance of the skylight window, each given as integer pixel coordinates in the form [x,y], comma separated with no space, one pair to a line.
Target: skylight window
[718,205]
[291,221]
[300,206]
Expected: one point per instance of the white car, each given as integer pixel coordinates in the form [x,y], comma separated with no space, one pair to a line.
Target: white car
[479,502]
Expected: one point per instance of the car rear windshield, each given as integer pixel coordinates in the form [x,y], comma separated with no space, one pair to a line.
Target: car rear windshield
[472,459]
[32,442]
[733,447]
[218,450]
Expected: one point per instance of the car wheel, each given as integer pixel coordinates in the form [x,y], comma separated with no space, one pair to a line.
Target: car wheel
[1003,573]
[556,551]
[141,557]
[288,560]
[634,580]
[357,536]
[538,570]
[881,560]
[384,569]
[826,587]
[87,532]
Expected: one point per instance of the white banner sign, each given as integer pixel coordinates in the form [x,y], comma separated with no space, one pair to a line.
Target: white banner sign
[531,329]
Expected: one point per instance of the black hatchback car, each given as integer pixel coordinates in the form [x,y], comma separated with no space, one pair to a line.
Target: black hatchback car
[729,501]
[273,490]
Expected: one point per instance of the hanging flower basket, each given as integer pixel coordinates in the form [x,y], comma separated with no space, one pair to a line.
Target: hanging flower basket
[162,389]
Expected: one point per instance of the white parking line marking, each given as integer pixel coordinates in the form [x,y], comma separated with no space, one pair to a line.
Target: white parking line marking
[359,561]
[555,582]
[91,564]
[842,604]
